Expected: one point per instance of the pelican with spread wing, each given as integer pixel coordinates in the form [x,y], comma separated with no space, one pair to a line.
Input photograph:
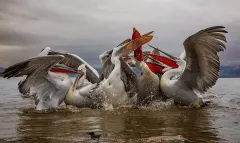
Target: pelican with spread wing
[48,88]
[198,67]
[115,81]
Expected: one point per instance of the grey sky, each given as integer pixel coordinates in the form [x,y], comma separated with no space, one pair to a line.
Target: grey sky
[89,27]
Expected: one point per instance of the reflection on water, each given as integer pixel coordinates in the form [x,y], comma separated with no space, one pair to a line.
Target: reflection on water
[215,123]
[123,124]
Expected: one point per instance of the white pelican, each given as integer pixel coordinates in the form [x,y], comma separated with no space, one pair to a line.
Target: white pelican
[199,72]
[48,88]
[148,82]
[82,94]
[117,77]
[86,93]
[116,80]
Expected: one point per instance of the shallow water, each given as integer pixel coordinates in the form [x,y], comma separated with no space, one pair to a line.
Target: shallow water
[218,122]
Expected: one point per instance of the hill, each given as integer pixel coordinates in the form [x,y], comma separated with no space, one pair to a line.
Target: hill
[230,71]
[1,69]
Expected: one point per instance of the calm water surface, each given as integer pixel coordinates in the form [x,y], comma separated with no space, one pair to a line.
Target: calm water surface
[219,122]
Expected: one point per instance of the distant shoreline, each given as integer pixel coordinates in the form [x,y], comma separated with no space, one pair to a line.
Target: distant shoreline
[229,77]
[1,75]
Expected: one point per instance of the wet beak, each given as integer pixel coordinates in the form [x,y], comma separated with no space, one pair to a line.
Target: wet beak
[170,56]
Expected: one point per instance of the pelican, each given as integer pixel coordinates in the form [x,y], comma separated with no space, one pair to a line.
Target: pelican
[148,82]
[118,81]
[48,88]
[84,95]
[87,93]
[199,72]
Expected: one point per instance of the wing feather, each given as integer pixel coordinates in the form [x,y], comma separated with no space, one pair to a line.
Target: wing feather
[31,69]
[202,61]
[128,76]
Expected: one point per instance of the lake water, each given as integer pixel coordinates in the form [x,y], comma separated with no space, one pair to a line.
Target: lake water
[218,122]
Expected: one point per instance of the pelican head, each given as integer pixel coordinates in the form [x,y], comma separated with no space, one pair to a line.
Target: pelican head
[103,57]
[45,51]
[82,68]
[180,62]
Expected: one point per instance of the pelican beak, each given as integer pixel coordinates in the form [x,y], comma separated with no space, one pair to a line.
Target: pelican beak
[73,70]
[145,57]
[134,29]
[170,56]
[149,33]
[133,45]
[157,62]
[124,42]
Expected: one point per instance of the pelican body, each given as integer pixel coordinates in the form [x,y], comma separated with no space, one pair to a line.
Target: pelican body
[48,88]
[80,94]
[118,80]
[148,82]
[198,69]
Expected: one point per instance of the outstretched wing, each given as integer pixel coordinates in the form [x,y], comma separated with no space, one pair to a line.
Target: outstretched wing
[74,61]
[202,61]
[38,81]
[35,66]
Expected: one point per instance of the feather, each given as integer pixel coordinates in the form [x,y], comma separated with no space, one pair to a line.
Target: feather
[202,61]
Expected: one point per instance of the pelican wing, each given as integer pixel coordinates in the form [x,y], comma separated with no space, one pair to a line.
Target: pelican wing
[31,69]
[128,76]
[46,89]
[38,80]
[74,61]
[36,66]
[107,68]
[202,61]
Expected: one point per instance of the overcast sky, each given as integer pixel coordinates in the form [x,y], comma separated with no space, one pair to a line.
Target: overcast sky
[88,28]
